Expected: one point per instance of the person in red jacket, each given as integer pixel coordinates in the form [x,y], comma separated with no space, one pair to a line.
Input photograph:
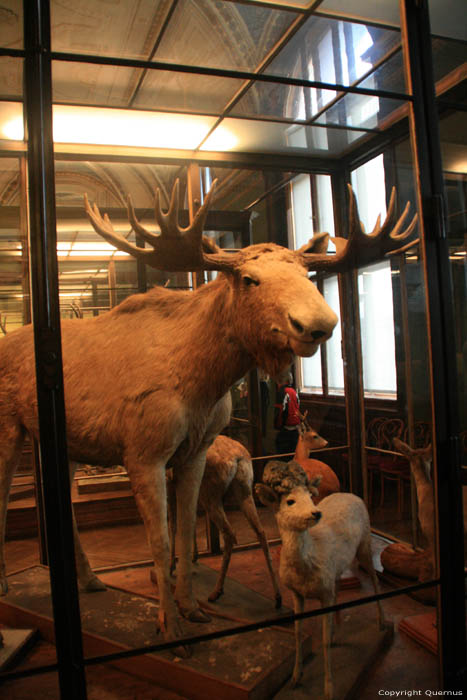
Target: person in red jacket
[286,416]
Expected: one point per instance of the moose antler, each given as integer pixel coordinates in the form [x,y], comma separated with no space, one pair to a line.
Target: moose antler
[174,248]
[362,248]
[179,249]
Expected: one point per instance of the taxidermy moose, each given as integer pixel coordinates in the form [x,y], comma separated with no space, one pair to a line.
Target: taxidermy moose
[146,385]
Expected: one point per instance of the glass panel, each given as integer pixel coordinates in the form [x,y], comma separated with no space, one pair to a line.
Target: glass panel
[242,38]
[333,51]
[361,111]
[377,329]
[283,101]
[124,127]
[11,24]
[448,55]
[125,30]
[185,92]
[11,77]
[333,349]
[113,86]
[268,137]
[448,23]
[11,121]
[385,11]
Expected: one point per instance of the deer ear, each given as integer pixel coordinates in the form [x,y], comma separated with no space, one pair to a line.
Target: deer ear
[315,482]
[318,244]
[402,447]
[267,495]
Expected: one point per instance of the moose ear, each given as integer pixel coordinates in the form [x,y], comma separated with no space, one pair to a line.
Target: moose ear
[266,495]
[317,244]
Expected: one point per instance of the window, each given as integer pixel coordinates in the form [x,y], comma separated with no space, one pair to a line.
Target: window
[312,211]
[375,290]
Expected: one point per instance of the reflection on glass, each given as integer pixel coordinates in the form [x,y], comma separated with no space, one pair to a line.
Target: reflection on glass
[243,36]
[377,330]
[335,367]
[386,11]
[124,29]
[11,77]
[333,51]
[11,24]
[270,137]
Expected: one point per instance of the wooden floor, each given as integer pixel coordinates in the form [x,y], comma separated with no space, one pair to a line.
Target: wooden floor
[405,666]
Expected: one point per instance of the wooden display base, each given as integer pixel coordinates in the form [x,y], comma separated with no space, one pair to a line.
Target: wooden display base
[422,628]
[15,644]
[253,666]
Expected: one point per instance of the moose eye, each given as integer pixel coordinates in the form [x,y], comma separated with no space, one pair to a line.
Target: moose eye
[248,281]
[290,501]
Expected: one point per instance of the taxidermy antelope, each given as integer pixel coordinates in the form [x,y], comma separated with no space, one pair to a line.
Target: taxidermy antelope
[318,544]
[146,383]
[228,475]
[308,440]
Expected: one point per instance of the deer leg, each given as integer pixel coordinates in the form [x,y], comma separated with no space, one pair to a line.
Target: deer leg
[217,514]
[187,501]
[298,605]
[249,509]
[149,487]
[88,581]
[365,558]
[12,441]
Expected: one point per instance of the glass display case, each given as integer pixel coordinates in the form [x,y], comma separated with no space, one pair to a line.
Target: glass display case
[282,104]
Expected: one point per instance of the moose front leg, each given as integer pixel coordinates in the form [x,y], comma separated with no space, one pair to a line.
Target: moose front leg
[148,482]
[187,487]
[87,579]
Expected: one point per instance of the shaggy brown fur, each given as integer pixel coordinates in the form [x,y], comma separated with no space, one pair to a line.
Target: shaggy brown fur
[146,385]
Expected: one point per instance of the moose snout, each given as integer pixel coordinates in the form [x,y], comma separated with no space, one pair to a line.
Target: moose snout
[312,329]
[317,515]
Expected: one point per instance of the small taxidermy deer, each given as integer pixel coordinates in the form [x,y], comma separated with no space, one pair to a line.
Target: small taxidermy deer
[228,475]
[308,441]
[146,384]
[318,544]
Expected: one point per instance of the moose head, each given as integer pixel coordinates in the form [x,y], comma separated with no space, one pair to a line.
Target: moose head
[279,312]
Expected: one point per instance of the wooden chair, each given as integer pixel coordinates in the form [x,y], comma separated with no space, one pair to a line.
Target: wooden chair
[373,458]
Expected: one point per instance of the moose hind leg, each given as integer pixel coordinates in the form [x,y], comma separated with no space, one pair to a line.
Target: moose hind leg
[10,450]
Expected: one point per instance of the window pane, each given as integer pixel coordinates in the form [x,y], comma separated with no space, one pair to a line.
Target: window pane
[311,373]
[369,184]
[377,329]
[333,345]
[301,210]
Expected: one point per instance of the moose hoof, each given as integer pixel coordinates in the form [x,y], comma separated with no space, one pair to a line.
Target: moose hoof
[196,615]
[215,595]
[3,585]
[278,601]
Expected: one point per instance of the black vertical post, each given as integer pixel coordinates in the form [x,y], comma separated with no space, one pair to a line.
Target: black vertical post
[425,132]
[46,317]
